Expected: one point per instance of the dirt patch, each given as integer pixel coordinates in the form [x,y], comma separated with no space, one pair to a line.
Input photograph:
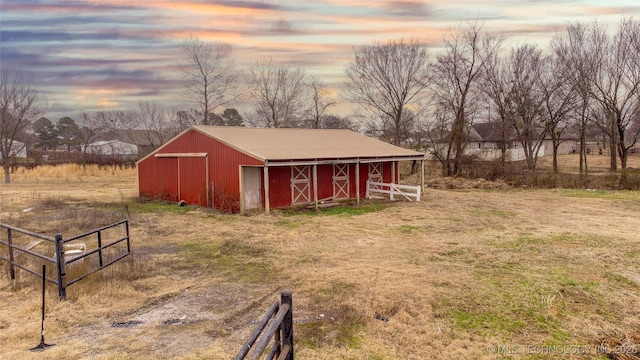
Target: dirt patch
[181,323]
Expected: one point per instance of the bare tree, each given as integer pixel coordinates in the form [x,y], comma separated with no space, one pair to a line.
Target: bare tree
[616,85]
[526,100]
[457,74]
[90,131]
[210,78]
[496,86]
[573,52]
[436,130]
[558,100]
[110,121]
[320,102]
[280,92]
[158,125]
[337,122]
[20,105]
[388,79]
[188,117]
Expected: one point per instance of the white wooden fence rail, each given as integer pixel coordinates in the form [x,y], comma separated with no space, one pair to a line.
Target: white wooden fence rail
[407,191]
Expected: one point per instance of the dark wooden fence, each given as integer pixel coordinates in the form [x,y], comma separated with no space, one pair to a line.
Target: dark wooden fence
[58,260]
[277,324]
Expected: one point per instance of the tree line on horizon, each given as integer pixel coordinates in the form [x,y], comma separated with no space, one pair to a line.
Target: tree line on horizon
[587,80]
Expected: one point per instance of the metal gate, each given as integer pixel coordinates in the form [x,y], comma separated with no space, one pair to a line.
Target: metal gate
[340,181]
[300,185]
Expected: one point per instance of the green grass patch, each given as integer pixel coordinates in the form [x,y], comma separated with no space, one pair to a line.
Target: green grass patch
[495,213]
[288,224]
[528,242]
[335,290]
[602,194]
[517,299]
[486,322]
[621,280]
[408,229]
[343,333]
[229,258]
[346,211]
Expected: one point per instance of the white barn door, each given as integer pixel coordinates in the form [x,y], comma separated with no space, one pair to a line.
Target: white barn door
[340,181]
[300,185]
[251,187]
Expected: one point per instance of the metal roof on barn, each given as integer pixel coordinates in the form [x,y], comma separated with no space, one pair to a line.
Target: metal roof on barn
[303,144]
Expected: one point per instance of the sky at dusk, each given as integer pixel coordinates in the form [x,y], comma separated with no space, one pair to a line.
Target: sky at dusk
[90,55]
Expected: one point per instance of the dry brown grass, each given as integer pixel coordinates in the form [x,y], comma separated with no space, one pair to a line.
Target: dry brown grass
[455,274]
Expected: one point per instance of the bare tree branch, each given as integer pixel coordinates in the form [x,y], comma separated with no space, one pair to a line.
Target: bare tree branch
[158,125]
[457,74]
[280,92]
[320,102]
[388,79]
[210,78]
[20,105]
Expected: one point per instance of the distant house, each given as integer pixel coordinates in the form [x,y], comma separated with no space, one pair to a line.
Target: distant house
[18,149]
[486,141]
[490,136]
[130,144]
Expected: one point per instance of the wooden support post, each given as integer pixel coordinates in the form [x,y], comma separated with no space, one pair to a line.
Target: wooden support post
[358,182]
[12,269]
[315,186]
[422,177]
[242,190]
[62,276]
[266,188]
[287,323]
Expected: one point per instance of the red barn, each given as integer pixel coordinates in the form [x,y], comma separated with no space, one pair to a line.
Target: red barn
[237,168]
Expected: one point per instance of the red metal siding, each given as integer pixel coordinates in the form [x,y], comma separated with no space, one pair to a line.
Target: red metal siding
[224,168]
[386,172]
[280,187]
[193,180]
[364,176]
[167,178]
[325,182]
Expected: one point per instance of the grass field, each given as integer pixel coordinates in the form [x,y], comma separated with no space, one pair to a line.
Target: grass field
[466,273]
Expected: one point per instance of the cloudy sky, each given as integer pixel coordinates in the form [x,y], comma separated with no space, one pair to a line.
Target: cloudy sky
[89,55]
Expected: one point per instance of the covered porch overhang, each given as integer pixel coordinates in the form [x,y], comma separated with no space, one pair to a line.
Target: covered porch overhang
[357,161]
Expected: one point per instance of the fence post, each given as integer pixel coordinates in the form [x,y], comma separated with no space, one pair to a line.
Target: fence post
[126,224]
[12,270]
[62,276]
[287,323]
[100,247]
